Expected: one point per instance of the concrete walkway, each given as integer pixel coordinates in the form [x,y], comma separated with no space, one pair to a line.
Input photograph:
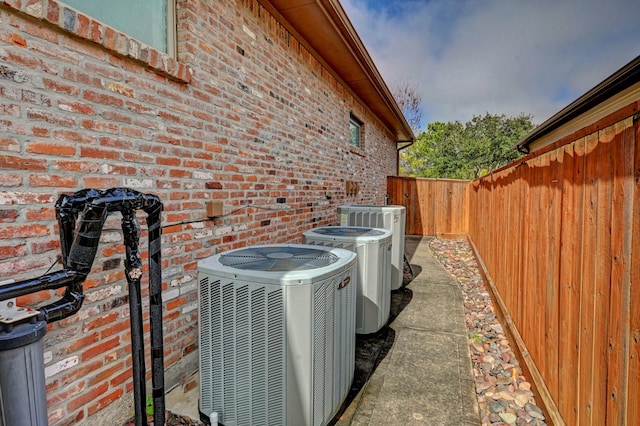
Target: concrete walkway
[416,371]
[426,376]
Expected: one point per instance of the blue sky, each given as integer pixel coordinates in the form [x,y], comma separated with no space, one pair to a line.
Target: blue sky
[470,57]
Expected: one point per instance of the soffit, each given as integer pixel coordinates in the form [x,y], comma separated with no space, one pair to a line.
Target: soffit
[326,31]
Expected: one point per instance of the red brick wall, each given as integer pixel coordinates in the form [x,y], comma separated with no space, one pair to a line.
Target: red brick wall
[244,114]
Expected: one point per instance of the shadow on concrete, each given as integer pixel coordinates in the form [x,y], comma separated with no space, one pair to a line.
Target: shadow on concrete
[372,348]
[415,271]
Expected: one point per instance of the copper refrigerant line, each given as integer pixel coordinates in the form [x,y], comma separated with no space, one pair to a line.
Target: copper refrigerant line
[79,248]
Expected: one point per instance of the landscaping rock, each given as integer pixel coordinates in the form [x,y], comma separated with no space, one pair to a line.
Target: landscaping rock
[504,394]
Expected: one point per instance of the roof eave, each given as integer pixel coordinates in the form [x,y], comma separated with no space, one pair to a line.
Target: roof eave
[324,28]
[622,79]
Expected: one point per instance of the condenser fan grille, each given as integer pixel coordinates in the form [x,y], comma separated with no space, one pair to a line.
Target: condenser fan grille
[278,258]
[346,231]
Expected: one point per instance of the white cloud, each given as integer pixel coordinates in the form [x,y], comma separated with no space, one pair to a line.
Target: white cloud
[504,57]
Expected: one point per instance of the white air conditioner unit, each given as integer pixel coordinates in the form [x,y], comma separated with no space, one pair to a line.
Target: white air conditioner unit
[373,247]
[276,334]
[388,217]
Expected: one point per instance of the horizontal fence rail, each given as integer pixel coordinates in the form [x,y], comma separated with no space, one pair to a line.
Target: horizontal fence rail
[559,236]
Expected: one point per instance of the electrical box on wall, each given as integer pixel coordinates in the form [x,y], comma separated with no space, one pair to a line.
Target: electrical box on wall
[214,208]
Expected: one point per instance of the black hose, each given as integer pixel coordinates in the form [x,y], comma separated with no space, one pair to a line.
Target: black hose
[153,210]
[78,254]
[79,259]
[52,281]
[67,209]
[133,272]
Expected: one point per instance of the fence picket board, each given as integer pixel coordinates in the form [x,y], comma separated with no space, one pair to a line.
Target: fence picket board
[431,213]
[554,203]
[633,390]
[587,291]
[622,199]
[415,210]
[570,278]
[604,187]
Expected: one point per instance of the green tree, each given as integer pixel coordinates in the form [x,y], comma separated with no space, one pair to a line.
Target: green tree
[457,151]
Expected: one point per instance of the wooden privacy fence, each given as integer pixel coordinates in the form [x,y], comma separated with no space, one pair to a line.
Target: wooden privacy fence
[558,234]
[433,206]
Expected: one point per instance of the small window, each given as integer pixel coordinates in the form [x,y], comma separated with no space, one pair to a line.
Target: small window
[151,21]
[355,131]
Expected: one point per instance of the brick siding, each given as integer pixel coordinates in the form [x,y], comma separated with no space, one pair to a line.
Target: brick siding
[244,114]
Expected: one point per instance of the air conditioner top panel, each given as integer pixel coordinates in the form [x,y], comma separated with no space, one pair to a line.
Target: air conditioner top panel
[281,264]
[351,233]
[278,258]
[371,207]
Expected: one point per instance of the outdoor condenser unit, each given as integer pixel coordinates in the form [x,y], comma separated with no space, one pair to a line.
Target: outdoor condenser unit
[373,247]
[276,334]
[388,217]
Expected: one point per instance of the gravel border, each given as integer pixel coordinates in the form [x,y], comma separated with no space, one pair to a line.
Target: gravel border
[504,394]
